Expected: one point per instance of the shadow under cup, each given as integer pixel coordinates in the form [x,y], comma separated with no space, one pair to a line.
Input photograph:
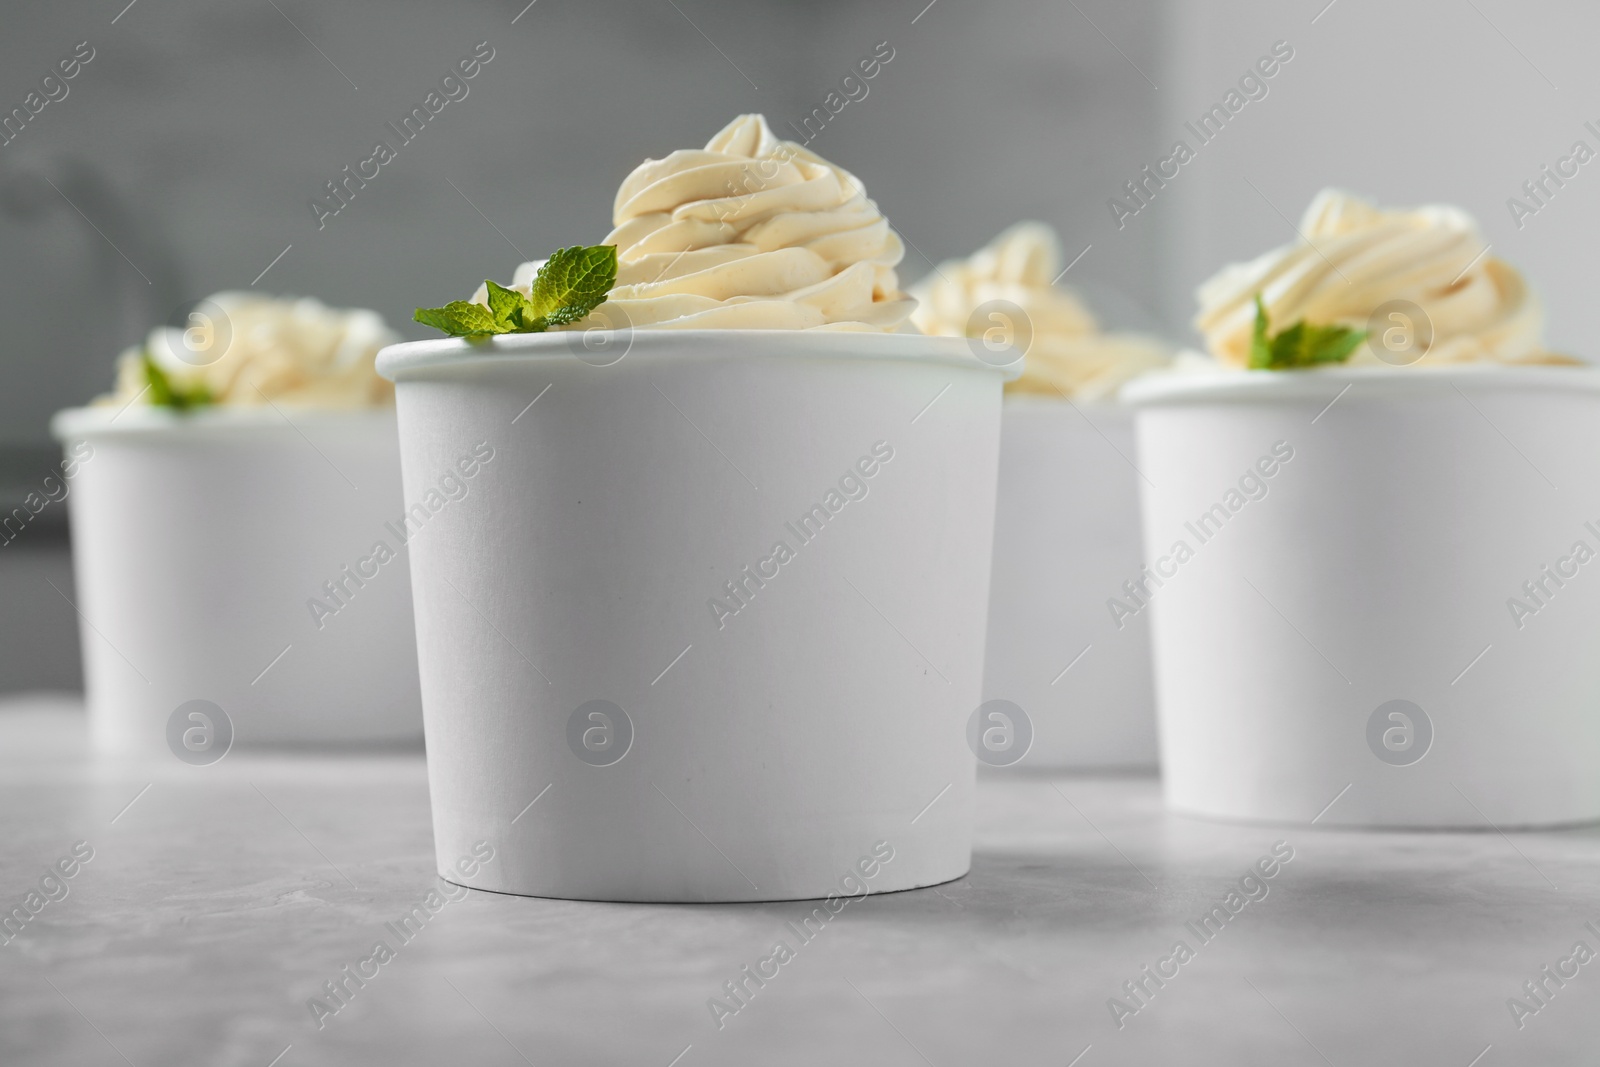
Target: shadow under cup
[710,626]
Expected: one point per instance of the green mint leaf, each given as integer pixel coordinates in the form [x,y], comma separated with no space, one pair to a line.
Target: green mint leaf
[1332,344]
[163,393]
[508,307]
[1301,345]
[460,318]
[572,283]
[1260,348]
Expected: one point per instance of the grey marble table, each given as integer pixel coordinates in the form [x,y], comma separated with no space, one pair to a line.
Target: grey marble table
[219,900]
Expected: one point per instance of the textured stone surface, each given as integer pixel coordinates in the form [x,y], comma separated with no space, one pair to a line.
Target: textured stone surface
[223,897]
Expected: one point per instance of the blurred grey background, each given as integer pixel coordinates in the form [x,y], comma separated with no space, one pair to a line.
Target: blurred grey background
[183,158]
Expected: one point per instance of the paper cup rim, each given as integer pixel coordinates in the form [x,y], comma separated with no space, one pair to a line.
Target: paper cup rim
[1262,386]
[415,359]
[221,420]
[1110,403]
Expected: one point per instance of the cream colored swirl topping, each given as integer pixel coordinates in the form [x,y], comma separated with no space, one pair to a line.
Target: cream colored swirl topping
[750,233]
[1067,354]
[1354,258]
[245,349]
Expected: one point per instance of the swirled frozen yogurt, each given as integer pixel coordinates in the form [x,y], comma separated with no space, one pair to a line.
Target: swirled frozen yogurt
[241,349]
[1067,354]
[749,233]
[1355,257]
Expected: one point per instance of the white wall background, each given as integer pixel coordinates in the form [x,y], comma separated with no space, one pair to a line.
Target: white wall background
[199,132]
[201,129]
[211,124]
[1416,101]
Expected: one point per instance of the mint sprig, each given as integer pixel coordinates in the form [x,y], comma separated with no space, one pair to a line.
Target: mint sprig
[459,318]
[164,393]
[573,282]
[1301,345]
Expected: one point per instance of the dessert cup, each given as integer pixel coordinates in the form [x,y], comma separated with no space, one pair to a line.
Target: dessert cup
[200,541]
[1339,644]
[1066,537]
[628,688]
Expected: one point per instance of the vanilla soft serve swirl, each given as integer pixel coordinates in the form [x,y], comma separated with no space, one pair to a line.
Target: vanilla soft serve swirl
[247,349]
[1068,355]
[1356,257]
[749,233]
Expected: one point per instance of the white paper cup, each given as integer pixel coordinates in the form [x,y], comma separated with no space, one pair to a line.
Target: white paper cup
[589,710]
[1342,650]
[200,542]
[1066,537]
